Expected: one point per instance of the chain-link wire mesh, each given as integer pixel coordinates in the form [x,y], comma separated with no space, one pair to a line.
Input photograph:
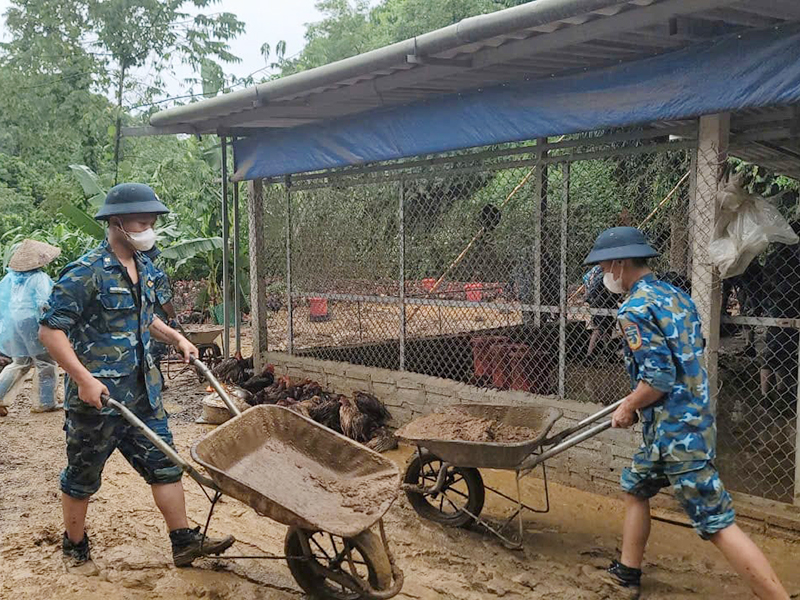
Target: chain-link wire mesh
[473,270]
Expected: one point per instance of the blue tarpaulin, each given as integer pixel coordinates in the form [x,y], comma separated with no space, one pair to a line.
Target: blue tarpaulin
[751,70]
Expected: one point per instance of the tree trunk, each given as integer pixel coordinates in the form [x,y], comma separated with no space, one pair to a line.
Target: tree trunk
[118,127]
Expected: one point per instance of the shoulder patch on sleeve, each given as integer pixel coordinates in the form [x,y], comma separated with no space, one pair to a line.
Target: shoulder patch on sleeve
[632,335]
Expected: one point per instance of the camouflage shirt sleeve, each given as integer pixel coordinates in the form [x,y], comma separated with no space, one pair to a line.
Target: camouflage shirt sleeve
[70,295]
[163,287]
[649,349]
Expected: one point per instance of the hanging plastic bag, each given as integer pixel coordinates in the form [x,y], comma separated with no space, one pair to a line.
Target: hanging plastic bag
[747,224]
[22,296]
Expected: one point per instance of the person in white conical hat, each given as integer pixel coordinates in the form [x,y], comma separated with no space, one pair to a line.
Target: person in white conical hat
[23,293]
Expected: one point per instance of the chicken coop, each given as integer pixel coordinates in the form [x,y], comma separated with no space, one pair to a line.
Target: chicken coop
[419,214]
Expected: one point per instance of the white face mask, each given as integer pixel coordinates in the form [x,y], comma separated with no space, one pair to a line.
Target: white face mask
[141,240]
[612,284]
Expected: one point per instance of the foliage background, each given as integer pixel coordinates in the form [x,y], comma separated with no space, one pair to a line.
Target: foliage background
[67,85]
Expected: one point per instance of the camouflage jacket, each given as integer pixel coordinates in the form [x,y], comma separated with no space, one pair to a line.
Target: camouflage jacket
[94,304]
[162,286]
[665,350]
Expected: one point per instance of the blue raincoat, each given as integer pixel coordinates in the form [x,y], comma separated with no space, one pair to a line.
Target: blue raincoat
[22,297]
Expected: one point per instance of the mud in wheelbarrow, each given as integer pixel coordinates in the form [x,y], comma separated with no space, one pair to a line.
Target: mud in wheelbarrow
[297,472]
[329,490]
[442,480]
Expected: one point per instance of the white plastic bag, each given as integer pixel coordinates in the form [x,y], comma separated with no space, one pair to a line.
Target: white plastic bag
[747,224]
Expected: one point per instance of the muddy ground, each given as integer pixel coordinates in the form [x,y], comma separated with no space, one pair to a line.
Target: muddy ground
[131,547]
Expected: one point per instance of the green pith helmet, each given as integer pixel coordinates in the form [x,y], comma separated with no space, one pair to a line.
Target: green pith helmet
[619,243]
[130,199]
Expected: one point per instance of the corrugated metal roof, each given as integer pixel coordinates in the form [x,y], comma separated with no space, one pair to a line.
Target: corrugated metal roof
[610,33]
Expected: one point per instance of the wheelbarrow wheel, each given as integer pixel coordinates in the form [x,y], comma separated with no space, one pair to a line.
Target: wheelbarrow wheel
[362,556]
[461,497]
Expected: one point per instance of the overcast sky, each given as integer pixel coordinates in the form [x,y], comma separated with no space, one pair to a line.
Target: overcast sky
[266,21]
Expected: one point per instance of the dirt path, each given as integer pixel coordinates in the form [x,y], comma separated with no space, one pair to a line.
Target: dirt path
[131,547]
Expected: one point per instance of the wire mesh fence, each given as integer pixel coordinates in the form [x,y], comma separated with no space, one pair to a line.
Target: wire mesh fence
[472,269]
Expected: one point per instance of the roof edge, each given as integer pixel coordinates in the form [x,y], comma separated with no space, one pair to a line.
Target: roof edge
[472,29]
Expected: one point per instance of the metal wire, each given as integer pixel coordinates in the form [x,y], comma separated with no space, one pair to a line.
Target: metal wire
[492,290]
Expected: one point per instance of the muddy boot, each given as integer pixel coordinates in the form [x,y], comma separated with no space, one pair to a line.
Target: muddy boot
[77,558]
[626,579]
[188,544]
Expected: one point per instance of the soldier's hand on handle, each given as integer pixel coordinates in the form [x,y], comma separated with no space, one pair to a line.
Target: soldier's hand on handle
[91,390]
[623,417]
[188,350]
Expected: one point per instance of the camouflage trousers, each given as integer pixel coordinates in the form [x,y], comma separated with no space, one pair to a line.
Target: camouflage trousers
[697,487]
[92,436]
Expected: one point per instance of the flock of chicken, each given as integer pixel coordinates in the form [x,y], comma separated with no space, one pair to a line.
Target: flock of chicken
[362,417]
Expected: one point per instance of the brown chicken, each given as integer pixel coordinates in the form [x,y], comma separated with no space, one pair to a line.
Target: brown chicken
[230,370]
[372,407]
[258,382]
[355,424]
[326,412]
[382,440]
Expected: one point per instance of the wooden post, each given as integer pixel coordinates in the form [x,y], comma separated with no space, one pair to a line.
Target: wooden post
[289,298]
[540,204]
[237,267]
[712,152]
[797,437]
[258,275]
[226,336]
[401,217]
[562,286]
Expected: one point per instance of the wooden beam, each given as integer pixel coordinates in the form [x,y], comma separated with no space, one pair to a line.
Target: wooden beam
[258,271]
[712,153]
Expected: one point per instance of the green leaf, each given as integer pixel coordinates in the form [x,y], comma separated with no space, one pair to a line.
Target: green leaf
[82,221]
[189,249]
[90,183]
[212,77]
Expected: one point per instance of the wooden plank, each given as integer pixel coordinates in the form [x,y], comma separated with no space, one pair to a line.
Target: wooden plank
[712,152]
[258,271]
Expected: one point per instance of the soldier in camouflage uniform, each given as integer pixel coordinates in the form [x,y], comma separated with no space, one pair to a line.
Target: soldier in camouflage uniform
[664,358]
[98,325]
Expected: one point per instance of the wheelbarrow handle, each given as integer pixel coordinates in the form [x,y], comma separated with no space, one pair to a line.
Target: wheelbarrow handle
[562,435]
[159,443]
[562,440]
[200,365]
[534,460]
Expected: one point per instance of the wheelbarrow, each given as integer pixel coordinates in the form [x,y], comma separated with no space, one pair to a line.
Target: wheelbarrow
[442,480]
[329,490]
[205,340]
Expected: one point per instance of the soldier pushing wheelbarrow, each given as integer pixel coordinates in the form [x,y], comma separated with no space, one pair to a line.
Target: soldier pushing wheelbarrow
[664,358]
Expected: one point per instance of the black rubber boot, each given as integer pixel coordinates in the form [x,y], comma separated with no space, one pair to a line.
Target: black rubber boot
[188,544]
[74,554]
[627,579]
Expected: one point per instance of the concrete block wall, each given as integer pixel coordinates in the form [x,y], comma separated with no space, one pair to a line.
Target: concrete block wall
[593,465]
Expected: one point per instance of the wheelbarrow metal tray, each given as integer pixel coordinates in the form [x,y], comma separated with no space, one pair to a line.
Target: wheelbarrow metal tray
[203,334]
[490,455]
[298,472]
